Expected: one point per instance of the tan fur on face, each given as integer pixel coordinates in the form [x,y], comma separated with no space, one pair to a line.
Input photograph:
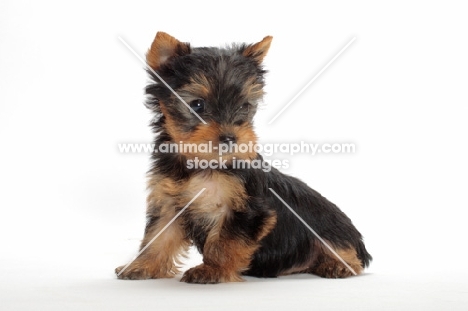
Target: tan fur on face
[204,134]
[199,87]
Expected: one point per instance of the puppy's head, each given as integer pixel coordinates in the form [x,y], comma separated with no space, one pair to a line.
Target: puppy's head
[207,96]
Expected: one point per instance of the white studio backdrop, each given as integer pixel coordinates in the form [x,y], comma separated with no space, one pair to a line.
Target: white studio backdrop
[73,206]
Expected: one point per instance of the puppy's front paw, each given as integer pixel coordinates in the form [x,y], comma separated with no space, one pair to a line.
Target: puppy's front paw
[143,270]
[132,273]
[203,274]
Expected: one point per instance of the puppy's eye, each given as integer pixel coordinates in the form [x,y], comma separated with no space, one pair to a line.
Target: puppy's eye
[245,107]
[198,105]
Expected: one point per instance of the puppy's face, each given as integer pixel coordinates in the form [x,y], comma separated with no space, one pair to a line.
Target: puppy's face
[222,87]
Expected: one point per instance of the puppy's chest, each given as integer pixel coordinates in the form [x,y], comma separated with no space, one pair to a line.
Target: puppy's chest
[210,197]
[222,195]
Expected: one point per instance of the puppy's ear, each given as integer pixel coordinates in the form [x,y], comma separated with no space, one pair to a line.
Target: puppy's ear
[258,50]
[163,48]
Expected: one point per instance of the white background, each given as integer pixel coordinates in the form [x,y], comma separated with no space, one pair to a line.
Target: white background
[72,206]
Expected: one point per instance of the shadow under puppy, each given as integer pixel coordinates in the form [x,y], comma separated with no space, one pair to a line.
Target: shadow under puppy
[237,224]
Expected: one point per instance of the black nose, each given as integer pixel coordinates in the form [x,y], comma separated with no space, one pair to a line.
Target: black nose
[227,138]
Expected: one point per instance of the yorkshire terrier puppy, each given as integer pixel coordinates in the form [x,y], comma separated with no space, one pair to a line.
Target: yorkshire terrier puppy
[208,96]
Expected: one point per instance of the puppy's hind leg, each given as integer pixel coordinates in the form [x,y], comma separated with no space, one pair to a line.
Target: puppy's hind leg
[329,265]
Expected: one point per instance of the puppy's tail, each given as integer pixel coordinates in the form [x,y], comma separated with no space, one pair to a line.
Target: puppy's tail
[363,254]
